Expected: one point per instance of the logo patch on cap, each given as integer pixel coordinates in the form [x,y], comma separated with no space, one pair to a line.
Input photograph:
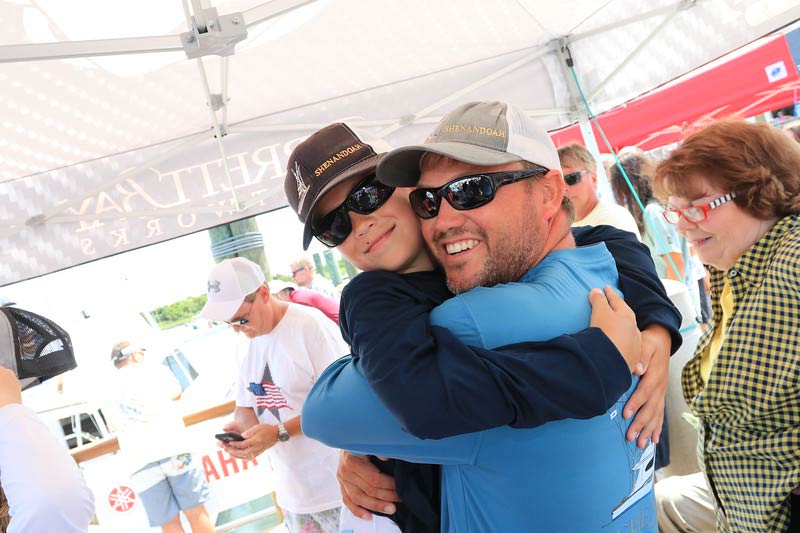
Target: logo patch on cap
[338,156]
[213,286]
[468,128]
[302,188]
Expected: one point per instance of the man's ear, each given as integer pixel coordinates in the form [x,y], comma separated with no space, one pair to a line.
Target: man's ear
[553,188]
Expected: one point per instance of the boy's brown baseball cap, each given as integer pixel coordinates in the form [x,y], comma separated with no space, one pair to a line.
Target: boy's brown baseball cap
[321,162]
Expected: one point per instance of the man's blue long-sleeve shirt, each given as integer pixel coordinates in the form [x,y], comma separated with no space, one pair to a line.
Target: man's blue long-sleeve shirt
[385,318]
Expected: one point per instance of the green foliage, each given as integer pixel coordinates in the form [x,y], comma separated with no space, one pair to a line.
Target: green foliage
[282,277]
[175,314]
[349,271]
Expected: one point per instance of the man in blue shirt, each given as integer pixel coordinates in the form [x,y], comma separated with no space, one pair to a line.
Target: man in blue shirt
[492,230]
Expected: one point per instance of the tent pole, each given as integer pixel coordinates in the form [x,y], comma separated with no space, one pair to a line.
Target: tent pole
[245,128]
[224,64]
[666,10]
[199,16]
[576,111]
[270,10]
[217,133]
[465,90]
[589,17]
[638,49]
[13,53]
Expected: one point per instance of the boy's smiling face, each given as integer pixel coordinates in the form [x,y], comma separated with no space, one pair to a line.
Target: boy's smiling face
[386,239]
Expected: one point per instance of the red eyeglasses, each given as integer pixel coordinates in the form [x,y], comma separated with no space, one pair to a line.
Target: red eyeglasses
[696,213]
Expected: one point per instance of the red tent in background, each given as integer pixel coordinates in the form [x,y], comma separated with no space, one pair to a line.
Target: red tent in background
[760,77]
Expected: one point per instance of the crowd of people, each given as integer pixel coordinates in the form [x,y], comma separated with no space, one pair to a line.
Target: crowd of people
[501,362]
[467,258]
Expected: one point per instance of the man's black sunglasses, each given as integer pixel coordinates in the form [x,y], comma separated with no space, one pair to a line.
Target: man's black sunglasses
[366,197]
[467,192]
[573,178]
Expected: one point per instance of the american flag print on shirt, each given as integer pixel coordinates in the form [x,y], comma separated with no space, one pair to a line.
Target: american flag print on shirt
[268,395]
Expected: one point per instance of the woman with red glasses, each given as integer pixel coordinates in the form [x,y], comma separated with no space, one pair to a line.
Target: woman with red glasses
[733,191]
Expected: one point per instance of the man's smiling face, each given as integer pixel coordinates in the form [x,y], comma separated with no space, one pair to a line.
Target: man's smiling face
[495,243]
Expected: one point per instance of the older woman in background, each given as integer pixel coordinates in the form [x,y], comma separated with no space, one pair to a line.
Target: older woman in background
[733,191]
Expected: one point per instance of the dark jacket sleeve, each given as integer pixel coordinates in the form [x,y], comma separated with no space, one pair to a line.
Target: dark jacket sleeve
[437,386]
[638,279]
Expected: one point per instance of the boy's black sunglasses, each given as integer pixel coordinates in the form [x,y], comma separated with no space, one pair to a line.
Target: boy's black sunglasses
[467,192]
[366,197]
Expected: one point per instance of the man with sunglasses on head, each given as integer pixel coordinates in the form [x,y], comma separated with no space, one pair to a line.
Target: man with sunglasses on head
[304,274]
[290,346]
[388,307]
[580,175]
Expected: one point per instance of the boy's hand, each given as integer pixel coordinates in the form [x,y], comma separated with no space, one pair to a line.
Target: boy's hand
[364,487]
[9,388]
[647,401]
[611,314]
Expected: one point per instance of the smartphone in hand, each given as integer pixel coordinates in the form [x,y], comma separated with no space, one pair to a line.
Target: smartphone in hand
[229,437]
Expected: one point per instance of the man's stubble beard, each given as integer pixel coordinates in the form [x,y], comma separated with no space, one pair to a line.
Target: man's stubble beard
[508,258]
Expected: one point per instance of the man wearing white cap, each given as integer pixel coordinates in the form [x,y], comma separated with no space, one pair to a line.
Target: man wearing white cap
[290,346]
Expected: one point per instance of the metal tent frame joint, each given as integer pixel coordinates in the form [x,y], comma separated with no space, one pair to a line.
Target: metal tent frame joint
[219,37]
[216,101]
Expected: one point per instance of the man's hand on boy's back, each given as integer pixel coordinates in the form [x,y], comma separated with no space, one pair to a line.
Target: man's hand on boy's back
[611,314]
[9,388]
[364,488]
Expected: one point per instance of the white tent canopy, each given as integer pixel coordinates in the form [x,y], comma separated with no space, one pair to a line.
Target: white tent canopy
[107,135]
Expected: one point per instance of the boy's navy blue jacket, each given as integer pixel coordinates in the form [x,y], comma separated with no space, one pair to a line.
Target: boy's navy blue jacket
[437,386]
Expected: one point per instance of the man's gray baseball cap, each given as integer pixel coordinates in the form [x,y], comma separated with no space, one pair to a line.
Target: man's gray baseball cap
[479,133]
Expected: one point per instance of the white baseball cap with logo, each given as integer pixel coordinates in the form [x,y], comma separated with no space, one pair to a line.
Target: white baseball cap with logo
[229,282]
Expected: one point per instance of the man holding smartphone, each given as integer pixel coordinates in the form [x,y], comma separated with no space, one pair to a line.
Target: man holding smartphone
[290,346]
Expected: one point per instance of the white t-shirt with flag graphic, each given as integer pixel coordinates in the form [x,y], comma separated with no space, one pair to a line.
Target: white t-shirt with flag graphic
[275,378]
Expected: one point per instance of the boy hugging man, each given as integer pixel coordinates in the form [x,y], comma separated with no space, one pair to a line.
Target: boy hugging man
[466,370]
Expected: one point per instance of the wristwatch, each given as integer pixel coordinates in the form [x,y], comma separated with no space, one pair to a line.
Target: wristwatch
[283,435]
